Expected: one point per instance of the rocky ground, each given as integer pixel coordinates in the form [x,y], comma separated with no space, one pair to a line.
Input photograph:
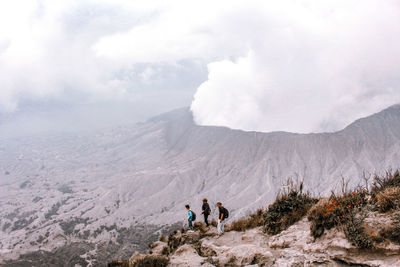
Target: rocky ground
[360,227]
[292,247]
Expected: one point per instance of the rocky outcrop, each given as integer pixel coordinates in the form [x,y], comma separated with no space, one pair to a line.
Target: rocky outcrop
[292,247]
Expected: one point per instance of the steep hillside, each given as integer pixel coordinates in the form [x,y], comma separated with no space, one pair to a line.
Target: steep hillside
[61,189]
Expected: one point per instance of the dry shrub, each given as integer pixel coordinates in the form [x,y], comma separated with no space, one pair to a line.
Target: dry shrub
[335,211]
[117,263]
[389,199]
[200,226]
[288,208]
[165,251]
[163,238]
[320,219]
[151,261]
[382,183]
[250,222]
[174,241]
[239,225]
[393,232]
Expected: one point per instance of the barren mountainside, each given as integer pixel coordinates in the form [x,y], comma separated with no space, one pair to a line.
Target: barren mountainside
[56,190]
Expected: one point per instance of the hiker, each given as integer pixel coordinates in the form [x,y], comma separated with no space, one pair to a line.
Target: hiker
[223,215]
[206,211]
[191,217]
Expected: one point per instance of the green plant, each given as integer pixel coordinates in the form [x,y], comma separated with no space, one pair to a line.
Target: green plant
[288,208]
[336,210]
[355,231]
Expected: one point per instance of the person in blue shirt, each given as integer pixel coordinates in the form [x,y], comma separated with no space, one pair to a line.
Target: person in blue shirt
[190,217]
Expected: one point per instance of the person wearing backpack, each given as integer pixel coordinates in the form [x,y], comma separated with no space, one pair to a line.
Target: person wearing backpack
[223,215]
[206,211]
[191,217]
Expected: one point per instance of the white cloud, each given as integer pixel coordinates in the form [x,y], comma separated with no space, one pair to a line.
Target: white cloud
[46,51]
[293,65]
[316,66]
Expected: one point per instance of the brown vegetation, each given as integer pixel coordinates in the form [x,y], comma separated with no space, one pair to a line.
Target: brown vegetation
[389,199]
[200,226]
[393,232]
[151,261]
[163,238]
[381,183]
[250,222]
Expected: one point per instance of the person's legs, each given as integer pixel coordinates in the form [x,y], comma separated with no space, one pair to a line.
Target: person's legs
[206,219]
[190,225]
[220,227]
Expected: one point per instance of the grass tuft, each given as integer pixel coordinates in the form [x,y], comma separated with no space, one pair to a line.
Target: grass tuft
[200,226]
[250,222]
[389,199]
[151,261]
[164,238]
[384,182]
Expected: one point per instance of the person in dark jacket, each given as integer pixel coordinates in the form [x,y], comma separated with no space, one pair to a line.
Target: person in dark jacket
[206,211]
[223,215]
[190,217]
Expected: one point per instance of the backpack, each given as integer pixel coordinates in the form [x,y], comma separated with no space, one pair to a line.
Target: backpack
[207,210]
[193,216]
[226,213]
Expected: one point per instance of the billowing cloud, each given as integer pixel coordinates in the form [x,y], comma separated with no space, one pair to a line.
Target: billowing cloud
[292,65]
[311,66]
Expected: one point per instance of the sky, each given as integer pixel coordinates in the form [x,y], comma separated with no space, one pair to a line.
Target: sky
[290,65]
